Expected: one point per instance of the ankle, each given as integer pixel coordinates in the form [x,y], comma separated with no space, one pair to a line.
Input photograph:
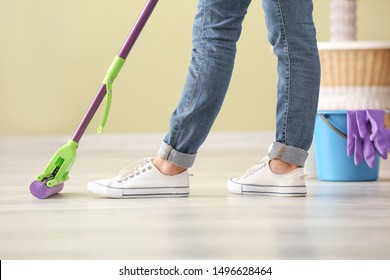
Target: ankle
[166,167]
[278,166]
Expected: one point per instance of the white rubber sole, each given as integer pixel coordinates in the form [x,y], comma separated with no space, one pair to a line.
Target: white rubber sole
[149,192]
[266,190]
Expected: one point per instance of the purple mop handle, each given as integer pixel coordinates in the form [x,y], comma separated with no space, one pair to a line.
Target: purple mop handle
[123,53]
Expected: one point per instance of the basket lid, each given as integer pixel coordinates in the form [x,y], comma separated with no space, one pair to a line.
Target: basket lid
[354,45]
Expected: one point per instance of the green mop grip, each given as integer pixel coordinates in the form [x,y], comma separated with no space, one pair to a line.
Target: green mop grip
[110,77]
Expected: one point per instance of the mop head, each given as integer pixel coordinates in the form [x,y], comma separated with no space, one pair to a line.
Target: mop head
[41,190]
[51,181]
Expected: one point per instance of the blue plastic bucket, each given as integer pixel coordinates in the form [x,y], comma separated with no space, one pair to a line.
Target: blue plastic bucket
[333,164]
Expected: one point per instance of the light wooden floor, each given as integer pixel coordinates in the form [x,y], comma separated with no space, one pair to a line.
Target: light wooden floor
[335,220]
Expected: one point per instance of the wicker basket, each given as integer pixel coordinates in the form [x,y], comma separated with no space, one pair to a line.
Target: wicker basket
[355,75]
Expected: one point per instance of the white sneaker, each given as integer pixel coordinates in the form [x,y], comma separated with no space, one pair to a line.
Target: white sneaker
[142,179]
[261,180]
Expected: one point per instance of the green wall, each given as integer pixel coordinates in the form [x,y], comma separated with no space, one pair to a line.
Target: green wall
[54,55]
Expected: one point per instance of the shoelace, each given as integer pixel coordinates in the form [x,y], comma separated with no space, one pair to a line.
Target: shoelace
[133,170]
[255,168]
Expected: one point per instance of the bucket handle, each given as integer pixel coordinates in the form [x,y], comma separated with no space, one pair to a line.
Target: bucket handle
[331,126]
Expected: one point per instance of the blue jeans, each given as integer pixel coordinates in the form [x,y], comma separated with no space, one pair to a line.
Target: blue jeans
[216,30]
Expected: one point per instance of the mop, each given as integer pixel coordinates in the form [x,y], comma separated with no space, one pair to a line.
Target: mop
[51,180]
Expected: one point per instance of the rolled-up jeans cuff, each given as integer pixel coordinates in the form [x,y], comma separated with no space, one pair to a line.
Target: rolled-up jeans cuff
[288,154]
[168,153]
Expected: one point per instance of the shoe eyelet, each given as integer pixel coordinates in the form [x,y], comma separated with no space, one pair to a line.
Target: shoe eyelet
[119,182]
[149,167]
[137,173]
[125,179]
[143,170]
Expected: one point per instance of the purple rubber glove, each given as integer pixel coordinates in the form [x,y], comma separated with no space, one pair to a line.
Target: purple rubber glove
[354,141]
[380,135]
[364,128]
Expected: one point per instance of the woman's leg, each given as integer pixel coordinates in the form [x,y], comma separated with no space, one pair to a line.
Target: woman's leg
[292,33]
[216,30]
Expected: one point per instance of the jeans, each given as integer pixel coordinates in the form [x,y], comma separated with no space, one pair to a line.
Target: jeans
[216,30]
